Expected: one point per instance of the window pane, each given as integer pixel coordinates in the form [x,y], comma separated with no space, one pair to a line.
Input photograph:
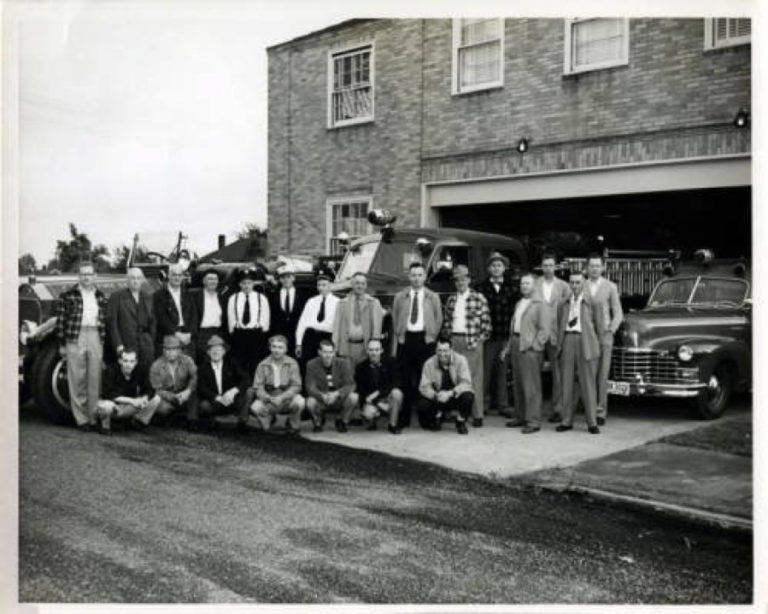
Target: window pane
[480,64]
[597,41]
[475,31]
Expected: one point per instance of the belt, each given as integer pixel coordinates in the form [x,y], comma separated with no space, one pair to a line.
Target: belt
[573,332]
[355,340]
[515,334]
[458,334]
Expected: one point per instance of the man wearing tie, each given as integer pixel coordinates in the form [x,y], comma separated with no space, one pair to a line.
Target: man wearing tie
[554,292]
[131,321]
[211,308]
[417,316]
[317,318]
[604,293]
[358,319]
[285,307]
[175,311]
[530,331]
[248,319]
[580,328]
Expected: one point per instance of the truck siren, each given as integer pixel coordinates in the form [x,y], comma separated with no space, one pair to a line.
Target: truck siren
[704,255]
[384,218]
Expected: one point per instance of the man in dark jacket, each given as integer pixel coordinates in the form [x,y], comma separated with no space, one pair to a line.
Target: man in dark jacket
[223,387]
[131,321]
[329,385]
[125,390]
[175,312]
[211,308]
[378,385]
[285,307]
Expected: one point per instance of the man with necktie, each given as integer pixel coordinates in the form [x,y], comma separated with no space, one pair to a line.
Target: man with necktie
[285,307]
[131,321]
[175,311]
[248,319]
[358,319]
[317,318]
[211,308]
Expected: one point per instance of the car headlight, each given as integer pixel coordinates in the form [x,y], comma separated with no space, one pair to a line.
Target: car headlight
[685,353]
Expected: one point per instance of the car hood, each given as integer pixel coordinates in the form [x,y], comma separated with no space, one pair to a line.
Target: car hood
[657,327]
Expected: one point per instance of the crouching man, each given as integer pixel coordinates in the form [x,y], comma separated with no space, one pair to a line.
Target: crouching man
[329,384]
[173,377]
[223,387]
[446,387]
[278,386]
[125,392]
[378,386]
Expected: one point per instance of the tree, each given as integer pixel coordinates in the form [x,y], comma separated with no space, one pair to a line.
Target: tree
[78,248]
[27,264]
[252,231]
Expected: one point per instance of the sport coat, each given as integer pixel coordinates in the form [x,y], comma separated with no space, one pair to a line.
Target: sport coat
[371,315]
[232,376]
[198,298]
[607,296]
[69,314]
[479,328]
[592,327]
[128,321]
[167,316]
[534,326]
[282,323]
[561,292]
[401,311]
[389,377]
[316,383]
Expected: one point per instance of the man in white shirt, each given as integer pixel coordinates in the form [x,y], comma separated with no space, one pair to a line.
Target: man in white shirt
[211,309]
[248,318]
[286,306]
[317,318]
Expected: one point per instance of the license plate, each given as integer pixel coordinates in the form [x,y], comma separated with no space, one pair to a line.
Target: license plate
[619,388]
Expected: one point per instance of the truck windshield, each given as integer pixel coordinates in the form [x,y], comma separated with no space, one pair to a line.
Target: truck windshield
[698,291]
[358,260]
[380,257]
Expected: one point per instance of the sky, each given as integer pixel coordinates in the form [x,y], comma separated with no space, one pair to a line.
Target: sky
[146,117]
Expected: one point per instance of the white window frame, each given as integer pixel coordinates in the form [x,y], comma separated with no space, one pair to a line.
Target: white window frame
[330,203]
[360,45]
[711,42]
[456,88]
[568,68]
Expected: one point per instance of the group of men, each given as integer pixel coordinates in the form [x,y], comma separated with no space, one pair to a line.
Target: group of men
[204,353]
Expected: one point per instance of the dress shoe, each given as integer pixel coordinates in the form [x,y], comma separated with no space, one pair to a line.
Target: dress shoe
[594,430]
[242,428]
[601,422]
[560,428]
[290,429]
[193,426]
[85,428]
[395,430]
[530,429]
[513,424]
[555,418]
[371,427]
[104,430]
[341,426]
[317,428]
[137,425]
[461,427]
[477,422]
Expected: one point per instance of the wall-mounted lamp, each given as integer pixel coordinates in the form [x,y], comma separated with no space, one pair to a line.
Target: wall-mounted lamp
[522,145]
[742,118]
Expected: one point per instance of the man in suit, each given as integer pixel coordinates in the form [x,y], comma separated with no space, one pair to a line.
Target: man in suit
[580,327]
[317,318]
[417,316]
[175,311]
[222,388]
[248,319]
[358,319]
[468,322]
[211,307]
[278,388]
[330,387]
[131,321]
[173,377]
[501,296]
[285,307]
[604,293]
[530,331]
[445,388]
[553,292]
[81,314]
[377,379]
[125,390]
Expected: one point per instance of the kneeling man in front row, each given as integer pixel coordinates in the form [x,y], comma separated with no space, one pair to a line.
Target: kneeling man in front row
[125,391]
[223,387]
[378,386]
[330,386]
[278,387]
[446,386]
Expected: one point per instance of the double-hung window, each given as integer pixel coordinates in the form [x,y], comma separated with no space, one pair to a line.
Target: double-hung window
[727,32]
[478,54]
[350,86]
[348,216]
[592,44]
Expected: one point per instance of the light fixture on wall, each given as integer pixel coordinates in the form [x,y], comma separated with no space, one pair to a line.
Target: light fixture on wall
[742,118]
[522,145]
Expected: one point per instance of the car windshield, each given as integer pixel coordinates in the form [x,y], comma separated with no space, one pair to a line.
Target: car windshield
[358,260]
[708,290]
[381,257]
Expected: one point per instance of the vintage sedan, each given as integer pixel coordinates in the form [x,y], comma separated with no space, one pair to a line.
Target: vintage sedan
[692,340]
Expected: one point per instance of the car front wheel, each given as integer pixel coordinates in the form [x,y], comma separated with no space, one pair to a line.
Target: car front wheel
[713,399]
[49,385]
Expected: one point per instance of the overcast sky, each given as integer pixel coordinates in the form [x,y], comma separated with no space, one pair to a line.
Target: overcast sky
[146,117]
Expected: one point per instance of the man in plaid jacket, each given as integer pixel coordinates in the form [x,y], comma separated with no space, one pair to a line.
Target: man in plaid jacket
[81,328]
[467,321]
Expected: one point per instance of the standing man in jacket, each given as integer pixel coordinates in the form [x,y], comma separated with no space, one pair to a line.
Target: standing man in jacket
[211,307]
[358,319]
[248,318]
[554,292]
[330,387]
[417,317]
[605,294]
[175,311]
[530,331]
[131,321]
[501,297]
[81,315]
[285,307]
[467,322]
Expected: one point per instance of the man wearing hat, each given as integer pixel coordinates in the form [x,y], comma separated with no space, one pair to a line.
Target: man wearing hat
[317,318]
[285,307]
[248,318]
[467,322]
[358,319]
[211,308]
[175,311]
[222,388]
[501,295]
[173,377]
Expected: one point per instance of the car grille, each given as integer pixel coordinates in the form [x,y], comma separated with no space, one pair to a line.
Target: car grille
[653,366]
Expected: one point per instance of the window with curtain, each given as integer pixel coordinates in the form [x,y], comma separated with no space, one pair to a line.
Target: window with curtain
[478,54]
[350,94]
[591,44]
[727,32]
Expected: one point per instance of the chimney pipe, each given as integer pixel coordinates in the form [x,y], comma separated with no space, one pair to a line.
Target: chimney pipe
[222,241]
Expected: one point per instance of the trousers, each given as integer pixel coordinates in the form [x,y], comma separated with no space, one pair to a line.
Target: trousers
[84,374]
[474,357]
[495,386]
[573,362]
[526,369]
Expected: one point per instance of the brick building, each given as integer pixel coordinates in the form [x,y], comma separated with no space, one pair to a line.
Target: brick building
[626,128]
